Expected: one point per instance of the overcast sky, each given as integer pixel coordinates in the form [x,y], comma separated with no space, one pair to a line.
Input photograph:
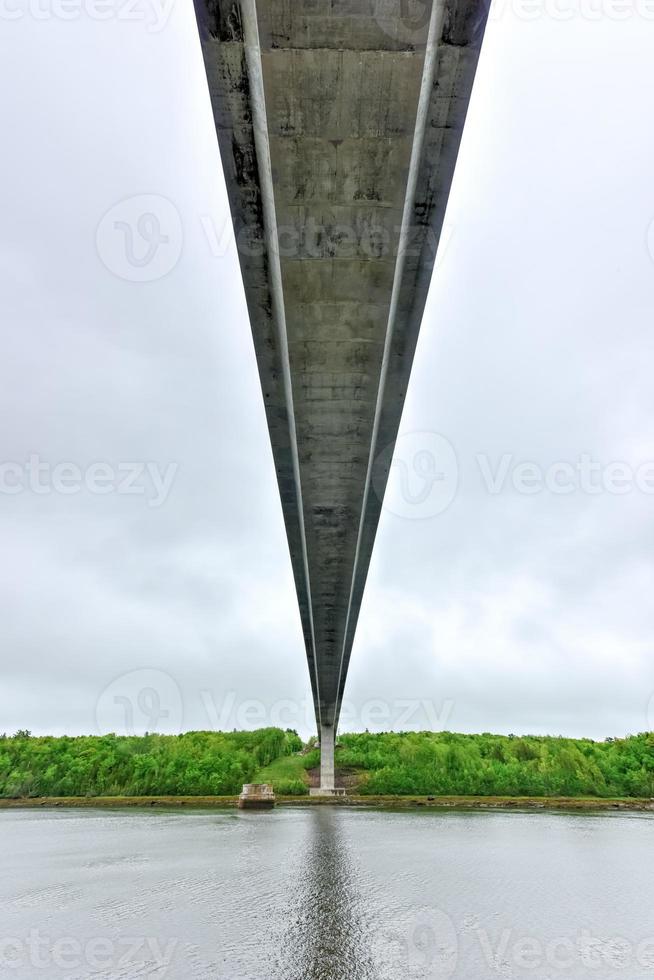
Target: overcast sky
[173,608]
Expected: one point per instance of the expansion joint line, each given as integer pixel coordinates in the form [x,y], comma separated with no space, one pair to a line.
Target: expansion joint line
[428,75]
[262,146]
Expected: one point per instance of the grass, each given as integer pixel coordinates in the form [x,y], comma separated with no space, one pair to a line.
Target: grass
[287,774]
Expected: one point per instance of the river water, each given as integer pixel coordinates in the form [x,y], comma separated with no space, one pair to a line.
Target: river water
[326,893]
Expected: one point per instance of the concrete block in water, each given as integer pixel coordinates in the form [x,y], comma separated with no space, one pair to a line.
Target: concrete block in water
[256,796]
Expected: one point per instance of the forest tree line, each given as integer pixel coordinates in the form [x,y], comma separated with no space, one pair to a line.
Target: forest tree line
[444,763]
[193,764]
[408,763]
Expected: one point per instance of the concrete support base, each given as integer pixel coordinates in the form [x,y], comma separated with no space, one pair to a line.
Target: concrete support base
[336,791]
[256,796]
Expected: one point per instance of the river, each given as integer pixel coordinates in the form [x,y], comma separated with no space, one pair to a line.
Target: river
[326,893]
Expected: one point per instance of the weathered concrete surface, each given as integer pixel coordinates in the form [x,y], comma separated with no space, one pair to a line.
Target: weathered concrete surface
[327,747]
[256,796]
[339,123]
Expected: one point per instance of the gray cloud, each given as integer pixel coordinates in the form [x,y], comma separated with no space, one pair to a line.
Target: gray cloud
[522,612]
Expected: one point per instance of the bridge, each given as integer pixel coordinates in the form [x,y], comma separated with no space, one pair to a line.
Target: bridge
[339,124]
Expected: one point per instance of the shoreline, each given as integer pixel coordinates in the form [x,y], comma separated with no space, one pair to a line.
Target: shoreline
[586,804]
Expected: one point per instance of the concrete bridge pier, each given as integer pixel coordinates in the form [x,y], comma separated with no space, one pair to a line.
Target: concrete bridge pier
[327,769]
[327,739]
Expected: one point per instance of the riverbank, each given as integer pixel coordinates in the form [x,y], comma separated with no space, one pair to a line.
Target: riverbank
[374,802]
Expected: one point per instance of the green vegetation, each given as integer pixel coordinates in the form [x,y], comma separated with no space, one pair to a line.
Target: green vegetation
[420,764]
[193,764]
[443,763]
[287,774]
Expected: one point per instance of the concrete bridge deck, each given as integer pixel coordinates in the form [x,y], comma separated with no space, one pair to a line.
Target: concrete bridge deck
[339,123]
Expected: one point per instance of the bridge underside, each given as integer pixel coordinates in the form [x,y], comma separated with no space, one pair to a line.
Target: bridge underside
[339,123]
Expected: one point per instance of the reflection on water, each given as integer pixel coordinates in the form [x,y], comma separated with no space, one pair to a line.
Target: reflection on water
[325,893]
[328,936]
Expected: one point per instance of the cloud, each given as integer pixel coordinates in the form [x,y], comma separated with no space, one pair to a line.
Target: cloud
[526,612]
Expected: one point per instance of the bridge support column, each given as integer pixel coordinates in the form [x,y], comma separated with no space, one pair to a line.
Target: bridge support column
[327,738]
[327,772]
